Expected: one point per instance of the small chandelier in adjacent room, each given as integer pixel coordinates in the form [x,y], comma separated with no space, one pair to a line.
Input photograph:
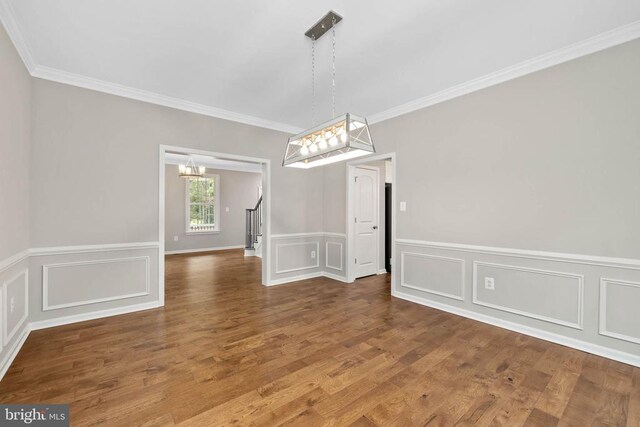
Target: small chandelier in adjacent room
[344,137]
[190,170]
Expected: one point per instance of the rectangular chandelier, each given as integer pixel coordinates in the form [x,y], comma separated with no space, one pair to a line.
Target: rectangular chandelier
[345,137]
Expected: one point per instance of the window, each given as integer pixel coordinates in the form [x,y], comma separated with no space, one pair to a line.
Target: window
[202,201]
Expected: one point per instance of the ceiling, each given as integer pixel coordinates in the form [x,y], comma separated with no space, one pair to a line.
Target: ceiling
[249,60]
[212,162]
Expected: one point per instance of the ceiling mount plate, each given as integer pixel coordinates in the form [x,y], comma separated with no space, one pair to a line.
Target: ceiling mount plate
[323,25]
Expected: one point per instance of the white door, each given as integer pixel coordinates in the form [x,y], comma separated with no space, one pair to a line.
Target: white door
[365,198]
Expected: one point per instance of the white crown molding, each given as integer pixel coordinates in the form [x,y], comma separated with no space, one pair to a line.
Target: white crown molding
[8,19]
[78,80]
[593,44]
[628,263]
[585,47]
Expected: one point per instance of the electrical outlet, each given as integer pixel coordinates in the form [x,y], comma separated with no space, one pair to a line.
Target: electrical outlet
[313,254]
[403,206]
[489,283]
[175,238]
[226,209]
[12,304]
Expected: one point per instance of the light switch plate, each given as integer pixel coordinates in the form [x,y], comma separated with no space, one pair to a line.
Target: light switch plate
[403,206]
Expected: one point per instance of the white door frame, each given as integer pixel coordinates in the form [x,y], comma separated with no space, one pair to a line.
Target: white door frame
[350,271]
[266,199]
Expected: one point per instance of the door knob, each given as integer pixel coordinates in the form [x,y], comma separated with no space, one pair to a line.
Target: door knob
[375,227]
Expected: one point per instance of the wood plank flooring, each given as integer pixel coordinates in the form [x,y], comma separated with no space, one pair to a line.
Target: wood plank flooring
[227,351]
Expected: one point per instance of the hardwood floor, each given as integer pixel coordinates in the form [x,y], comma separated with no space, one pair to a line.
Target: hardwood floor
[225,350]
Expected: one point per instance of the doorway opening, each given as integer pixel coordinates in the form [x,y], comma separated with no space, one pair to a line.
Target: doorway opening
[205,214]
[371,216]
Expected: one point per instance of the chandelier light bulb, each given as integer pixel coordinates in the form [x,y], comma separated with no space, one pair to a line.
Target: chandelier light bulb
[304,150]
[313,148]
[333,141]
[323,144]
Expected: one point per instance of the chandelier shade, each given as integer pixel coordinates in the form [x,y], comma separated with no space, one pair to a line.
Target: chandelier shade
[345,137]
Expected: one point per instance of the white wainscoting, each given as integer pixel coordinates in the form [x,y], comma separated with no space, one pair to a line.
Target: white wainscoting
[565,298]
[340,249]
[285,252]
[626,302]
[21,281]
[538,283]
[439,274]
[100,275]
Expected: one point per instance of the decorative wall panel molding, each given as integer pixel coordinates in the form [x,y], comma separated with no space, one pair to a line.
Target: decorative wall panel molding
[327,258]
[624,310]
[9,305]
[438,274]
[102,275]
[539,278]
[287,251]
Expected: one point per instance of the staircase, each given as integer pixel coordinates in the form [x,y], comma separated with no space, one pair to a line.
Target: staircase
[253,231]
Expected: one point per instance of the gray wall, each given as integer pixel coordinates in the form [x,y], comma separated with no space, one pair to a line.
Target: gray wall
[238,191]
[96,157]
[547,162]
[15,130]
[15,150]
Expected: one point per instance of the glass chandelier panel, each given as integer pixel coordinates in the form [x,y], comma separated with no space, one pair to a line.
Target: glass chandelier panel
[345,137]
[342,138]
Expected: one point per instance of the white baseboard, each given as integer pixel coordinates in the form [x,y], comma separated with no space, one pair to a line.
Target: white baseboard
[598,350]
[382,271]
[295,278]
[335,277]
[66,320]
[191,251]
[15,349]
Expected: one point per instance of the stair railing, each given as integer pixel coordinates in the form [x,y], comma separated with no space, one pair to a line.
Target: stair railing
[253,225]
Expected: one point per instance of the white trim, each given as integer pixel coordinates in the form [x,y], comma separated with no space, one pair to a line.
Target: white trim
[13,352]
[317,264]
[394,217]
[523,253]
[45,282]
[285,280]
[197,250]
[7,263]
[329,234]
[66,320]
[60,76]
[603,309]
[63,250]
[382,271]
[297,235]
[335,277]
[266,187]
[431,291]
[8,335]
[582,48]
[579,277]
[216,206]
[326,255]
[8,19]
[598,350]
